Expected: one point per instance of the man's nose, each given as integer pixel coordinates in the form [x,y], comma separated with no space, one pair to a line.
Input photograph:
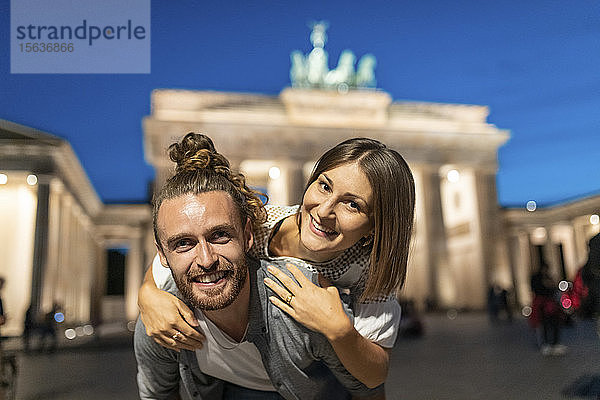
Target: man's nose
[206,258]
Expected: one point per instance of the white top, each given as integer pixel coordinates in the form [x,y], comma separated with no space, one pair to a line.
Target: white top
[376,319]
[221,356]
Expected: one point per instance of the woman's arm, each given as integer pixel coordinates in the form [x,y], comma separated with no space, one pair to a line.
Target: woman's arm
[321,310]
[164,315]
[367,361]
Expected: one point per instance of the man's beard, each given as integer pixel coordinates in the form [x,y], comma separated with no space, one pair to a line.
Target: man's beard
[215,298]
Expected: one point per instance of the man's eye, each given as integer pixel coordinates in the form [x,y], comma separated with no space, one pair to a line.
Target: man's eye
[183,243]
[221,237]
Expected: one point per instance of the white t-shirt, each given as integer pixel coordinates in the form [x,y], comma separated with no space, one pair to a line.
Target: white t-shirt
[226,359]
[221,356]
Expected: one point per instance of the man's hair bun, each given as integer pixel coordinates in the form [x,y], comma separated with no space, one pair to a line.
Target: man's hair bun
[197,151]
[200,168]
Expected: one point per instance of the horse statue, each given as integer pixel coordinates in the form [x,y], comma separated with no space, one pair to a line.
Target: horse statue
[298,72]
[343,74]
[365,72]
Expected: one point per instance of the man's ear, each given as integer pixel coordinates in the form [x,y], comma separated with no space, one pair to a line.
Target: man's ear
[161,255]
[248,235]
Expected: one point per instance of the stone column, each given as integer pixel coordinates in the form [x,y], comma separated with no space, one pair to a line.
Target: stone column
[551,253]
[492,237]
[53,242]
[435,234]
[134,271]
[63,275]
[521,266]
[417,286]
[581,244]
[569,250]
[98,285]
[40,243]
[72,301]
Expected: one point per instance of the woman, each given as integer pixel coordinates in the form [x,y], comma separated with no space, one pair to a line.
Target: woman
[354,227]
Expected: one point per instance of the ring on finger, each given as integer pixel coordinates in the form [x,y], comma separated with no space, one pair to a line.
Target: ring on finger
[177,336]
[288,299]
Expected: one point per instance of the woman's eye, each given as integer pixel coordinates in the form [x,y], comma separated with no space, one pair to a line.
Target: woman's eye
[354,205]
[324,186]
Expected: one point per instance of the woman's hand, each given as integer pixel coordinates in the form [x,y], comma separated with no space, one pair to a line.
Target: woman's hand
[318,309]
[321,310]
[167,319]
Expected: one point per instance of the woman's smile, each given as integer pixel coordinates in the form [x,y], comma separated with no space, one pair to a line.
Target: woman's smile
[320,230]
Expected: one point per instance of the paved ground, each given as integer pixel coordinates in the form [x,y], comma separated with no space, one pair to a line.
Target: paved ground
[91,371]
[464,358]
[469,358]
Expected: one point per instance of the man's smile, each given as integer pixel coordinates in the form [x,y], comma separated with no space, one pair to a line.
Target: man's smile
[211,279]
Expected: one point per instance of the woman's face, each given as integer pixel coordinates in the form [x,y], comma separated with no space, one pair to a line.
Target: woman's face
[336,212]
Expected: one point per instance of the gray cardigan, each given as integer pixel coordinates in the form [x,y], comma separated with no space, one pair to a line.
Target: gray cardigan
[301,363]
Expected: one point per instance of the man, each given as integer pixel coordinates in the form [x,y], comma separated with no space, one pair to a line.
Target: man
[252,348]
[2,316]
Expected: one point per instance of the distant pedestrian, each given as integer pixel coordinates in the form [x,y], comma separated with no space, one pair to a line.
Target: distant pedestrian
[498,304]
[411,324]
[546,311]
[48,330]
[29,326]
[590,275]
[504,304]
[2,316]
[43,325]
[492,303]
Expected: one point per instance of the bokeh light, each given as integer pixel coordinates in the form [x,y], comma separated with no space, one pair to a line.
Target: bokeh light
[595,219]
[70,334]
[452,313]
[274,173]
[131,326]
[526,311]
[88,329]
[31,180]
[453,176]
[563,285]
[3,179]
[531,205]
[342,88]
[59,317]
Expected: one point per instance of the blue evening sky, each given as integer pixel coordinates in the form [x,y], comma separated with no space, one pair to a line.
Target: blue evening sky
[536,64]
